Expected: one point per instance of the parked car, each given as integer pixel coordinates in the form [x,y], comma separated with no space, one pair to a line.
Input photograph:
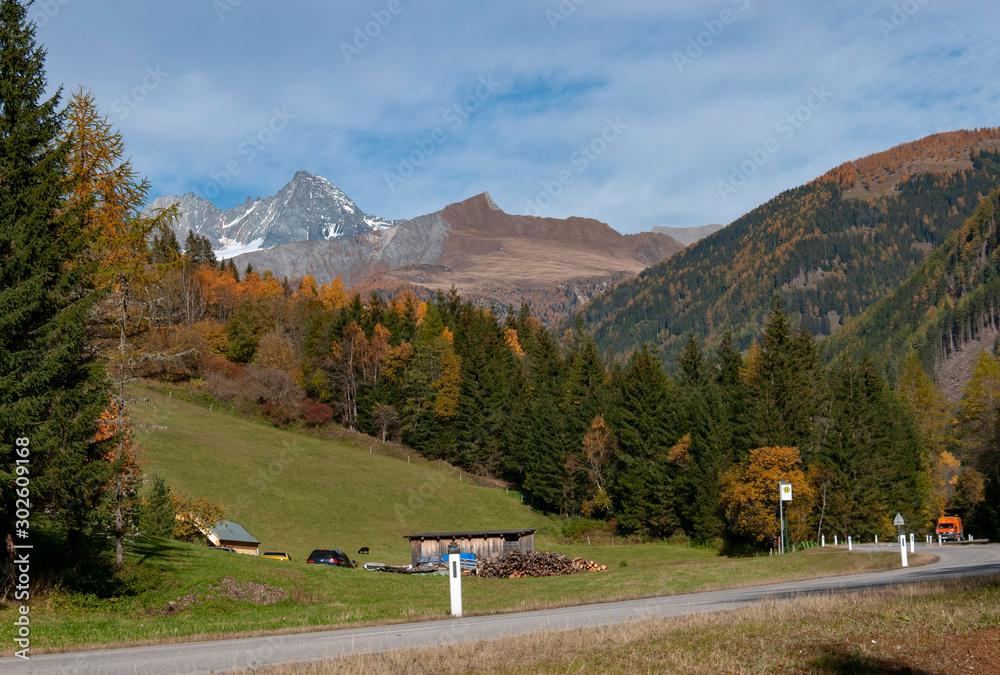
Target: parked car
[276,555]
[327,556]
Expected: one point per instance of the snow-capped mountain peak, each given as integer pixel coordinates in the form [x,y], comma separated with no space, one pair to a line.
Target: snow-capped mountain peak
[307,207]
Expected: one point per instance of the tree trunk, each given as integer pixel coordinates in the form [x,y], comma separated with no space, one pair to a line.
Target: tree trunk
[119,523]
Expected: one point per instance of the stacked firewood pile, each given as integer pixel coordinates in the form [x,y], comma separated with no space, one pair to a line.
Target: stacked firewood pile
[516,565]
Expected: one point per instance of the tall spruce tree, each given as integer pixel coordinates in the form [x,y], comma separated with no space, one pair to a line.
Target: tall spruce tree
[873,450]
[52,390]
[491,394]
[786,385]
[706,449]
[645,421]
[544,457]
[583,399]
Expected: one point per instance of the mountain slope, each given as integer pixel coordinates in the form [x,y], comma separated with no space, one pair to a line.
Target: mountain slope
[949,303]
[689,235]
[308,208]
[826,252]
[491,257]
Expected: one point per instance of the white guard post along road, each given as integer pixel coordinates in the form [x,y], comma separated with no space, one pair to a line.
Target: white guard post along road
[224,655]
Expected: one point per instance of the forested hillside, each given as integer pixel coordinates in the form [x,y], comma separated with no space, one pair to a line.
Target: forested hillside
[952,299]
[648,452]
[826,252]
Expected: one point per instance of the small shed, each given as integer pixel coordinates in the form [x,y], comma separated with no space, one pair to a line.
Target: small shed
[234,535]
[485,544]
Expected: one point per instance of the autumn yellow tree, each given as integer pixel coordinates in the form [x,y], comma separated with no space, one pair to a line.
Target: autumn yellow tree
[103,184]
[933,415]
[109,190]
[599,446]
[980,426]
[194,514]
[750,495]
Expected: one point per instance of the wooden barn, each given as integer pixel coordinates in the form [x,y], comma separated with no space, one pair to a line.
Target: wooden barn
[485,544]
[233,535]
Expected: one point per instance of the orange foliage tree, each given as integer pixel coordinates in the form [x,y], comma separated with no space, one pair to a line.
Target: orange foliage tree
[121,490]
[750,495]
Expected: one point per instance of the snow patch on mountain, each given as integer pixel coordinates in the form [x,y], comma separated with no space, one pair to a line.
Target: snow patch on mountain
[231,249]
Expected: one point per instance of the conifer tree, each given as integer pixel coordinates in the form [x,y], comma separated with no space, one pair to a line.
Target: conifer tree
[645,422]
[785,382]
[52,387]
[733,407]
[544,457]
[158,517]
[874,452]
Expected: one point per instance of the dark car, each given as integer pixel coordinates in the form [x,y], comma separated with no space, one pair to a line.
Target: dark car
[326,556]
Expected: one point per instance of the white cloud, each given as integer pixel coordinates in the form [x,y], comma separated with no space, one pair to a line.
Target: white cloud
[686,127]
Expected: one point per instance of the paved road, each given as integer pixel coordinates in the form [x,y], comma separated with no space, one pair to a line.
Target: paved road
[218,656]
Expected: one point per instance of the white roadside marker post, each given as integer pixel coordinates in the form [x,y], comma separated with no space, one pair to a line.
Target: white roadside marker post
[823,539]
[850,544]
[455,578]
[835,540]
[902,549]
[913,543]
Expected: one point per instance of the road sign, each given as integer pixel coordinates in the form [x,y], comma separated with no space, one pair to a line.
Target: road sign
[898,520]
[786,492]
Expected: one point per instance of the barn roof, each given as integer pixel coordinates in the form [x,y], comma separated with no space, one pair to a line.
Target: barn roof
[477,534]
[227,530]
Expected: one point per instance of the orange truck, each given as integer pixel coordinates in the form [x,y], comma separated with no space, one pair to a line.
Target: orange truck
[949,528]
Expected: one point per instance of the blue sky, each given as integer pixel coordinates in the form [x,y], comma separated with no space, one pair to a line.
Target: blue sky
[635,113]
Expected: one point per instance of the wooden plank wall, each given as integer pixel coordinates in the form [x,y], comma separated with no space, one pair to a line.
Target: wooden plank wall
[484,548]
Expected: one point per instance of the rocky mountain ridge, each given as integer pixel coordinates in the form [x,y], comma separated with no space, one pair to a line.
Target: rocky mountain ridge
[307,208]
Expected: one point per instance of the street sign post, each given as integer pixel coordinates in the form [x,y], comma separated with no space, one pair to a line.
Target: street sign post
[899,522]
[785,495]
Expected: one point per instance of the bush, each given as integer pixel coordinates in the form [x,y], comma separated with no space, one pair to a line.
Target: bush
[318,414]
[279,416]
[577,528]
[679,538]
[272,386]
[217,364]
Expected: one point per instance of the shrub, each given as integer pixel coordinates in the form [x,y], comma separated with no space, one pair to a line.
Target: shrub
[576,528]
[272,386]
[278,415]
[318,414]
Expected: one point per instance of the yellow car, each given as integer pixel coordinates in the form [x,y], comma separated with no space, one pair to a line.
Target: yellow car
[276,555]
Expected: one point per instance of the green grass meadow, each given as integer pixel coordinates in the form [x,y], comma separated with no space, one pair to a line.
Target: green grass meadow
[296,493]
